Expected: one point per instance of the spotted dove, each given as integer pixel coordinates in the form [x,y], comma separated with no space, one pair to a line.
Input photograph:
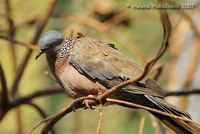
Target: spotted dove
[83,65]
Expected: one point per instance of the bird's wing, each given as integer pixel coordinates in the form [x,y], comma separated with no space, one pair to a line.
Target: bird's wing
[103,63]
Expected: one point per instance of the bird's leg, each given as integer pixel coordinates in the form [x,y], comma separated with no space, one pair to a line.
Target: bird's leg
[86,102]
[75,105]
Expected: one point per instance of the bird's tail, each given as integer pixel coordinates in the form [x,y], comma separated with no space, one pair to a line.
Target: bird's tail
[179,126]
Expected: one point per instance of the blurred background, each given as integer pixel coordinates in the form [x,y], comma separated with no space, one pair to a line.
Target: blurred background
[136,32]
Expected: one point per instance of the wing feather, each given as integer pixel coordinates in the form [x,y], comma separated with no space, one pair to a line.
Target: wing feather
[107,65]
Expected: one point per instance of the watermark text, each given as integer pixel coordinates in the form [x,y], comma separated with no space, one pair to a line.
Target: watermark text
[160,6]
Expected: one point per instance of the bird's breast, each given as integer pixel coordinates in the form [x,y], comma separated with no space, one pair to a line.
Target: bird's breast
[74,83]
[78,85]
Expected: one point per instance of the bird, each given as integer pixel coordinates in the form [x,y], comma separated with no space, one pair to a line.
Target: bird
[83,65]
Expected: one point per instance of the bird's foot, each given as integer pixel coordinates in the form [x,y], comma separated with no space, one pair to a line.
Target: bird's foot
[86,103]
[75,105]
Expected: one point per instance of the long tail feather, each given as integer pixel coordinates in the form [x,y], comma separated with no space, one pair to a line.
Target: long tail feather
[179,126]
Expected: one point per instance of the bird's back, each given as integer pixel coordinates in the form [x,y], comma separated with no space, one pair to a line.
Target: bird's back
[102,62]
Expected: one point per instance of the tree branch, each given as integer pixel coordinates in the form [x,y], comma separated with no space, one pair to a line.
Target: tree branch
[183,92]
[30,46]
[43,20]
[42,113]
[4,102]
[55,118]
[150,109]
[22,100]
[100,118]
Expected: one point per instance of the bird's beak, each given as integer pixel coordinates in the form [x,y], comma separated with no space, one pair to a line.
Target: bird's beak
[39,53]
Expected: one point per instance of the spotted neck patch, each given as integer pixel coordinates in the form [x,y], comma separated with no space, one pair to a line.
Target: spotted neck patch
[66,47]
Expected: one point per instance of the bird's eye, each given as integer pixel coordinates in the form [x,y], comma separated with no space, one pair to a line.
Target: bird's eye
[52,45]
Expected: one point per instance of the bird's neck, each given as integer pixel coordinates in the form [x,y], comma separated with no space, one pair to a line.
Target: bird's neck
[56,63]
[58,59]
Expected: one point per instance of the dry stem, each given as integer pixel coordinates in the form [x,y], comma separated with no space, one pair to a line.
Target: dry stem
[100,118]
[142,122]
[150,109]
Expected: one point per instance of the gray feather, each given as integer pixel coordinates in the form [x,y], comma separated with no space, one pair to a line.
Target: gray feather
[110,67]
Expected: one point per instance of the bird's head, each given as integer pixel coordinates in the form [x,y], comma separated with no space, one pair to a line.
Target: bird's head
[49,42]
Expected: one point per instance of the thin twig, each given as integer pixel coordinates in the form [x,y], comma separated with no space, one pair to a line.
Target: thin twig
[116,19]
[51,76]
[55,118]
[36,125]
[42,113]
[183,92]
[27,21]
[150,109]
[157,68]
[19,120]
[154,124]
[142,122]
[22,100]
[100,117]
[30,46]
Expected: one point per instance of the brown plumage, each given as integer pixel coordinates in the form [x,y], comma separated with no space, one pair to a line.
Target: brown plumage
[82,65]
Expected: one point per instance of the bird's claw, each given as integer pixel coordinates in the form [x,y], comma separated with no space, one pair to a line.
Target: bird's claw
[75,105]
[86,103]
[90,107]
[74,108]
